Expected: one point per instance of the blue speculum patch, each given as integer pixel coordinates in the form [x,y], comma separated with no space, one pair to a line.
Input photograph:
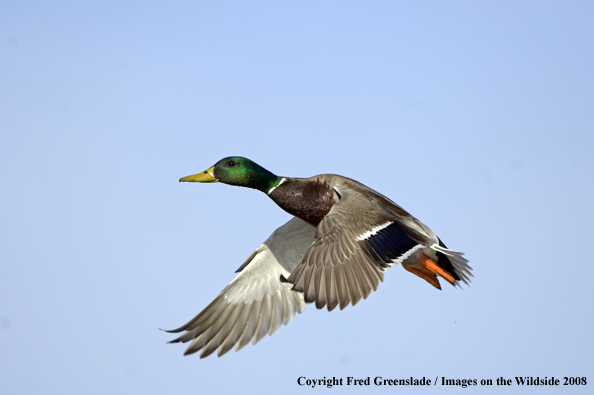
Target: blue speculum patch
[391,242]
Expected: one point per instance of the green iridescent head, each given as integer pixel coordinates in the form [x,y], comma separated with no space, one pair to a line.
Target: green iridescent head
[236,170]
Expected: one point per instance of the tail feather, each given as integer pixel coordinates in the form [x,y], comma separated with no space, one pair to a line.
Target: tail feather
[454,262]
[447,264]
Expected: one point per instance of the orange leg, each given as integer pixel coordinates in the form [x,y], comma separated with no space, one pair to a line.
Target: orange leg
[432,266]
[425,274]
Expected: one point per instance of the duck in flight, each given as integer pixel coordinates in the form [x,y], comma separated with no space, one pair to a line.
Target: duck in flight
[334,251]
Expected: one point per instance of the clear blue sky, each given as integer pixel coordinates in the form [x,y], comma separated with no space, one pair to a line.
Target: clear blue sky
[477,117]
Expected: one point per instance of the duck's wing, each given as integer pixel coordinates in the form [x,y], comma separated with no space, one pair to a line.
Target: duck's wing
[363,235]
[256,302]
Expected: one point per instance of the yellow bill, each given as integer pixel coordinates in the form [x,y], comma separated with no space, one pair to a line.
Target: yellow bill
[206,176]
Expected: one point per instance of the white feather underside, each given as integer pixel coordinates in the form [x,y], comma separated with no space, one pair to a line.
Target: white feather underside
[256,302]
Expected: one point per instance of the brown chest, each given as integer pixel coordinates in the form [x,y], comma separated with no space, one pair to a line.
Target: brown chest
[308,199]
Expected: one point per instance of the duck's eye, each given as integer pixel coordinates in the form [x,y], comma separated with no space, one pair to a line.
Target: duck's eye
[231,163]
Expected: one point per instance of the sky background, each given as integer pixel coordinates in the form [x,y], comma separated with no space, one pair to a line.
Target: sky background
[476,117]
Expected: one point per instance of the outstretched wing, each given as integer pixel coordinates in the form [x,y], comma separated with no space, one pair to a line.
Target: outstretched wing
[256,302]
[363,235]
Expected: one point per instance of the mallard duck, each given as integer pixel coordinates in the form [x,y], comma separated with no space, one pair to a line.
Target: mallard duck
[334,251]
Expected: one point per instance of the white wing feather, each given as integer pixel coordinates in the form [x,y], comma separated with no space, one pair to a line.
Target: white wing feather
[256,302]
